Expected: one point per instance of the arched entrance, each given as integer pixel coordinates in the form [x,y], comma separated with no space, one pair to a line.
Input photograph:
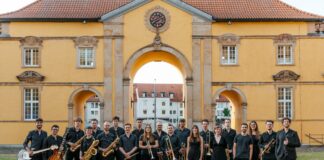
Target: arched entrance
[164,53]
[238,102]
[77,101]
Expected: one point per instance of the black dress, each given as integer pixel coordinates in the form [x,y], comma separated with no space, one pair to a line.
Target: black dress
[219,149]
[145,155]
[194,151]
[256,150]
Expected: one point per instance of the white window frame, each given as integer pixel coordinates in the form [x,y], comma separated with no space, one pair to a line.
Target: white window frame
[228,55]
[285,101]
[86,57]
[32,53]
[284,61]
[31,102]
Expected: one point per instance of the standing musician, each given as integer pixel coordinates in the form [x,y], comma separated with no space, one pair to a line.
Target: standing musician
[105,139]
[183,134]
[255,135]
[95,129]
[148,143]
[229,135]
[207,136]
[195,145]
[286,142]
[86,143]
[117,131]
[128,143]
[74,135]
[159,133]
[219,145]
[138,131]
[53,139]
[171,144]
[36,138]
[267,141]
[243,147]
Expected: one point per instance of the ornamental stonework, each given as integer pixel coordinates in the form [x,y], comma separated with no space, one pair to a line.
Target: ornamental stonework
[286,76]
[229,39]
[157,19]
[31,41]
[30,77]
[284,39]
[85,41]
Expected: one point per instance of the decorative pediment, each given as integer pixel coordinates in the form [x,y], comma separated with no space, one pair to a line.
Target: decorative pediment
[31,41]
[86,41]
[286,76]
[30,77]
[284,39]
[229,39]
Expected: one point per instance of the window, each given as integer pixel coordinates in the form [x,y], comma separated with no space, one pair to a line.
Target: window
[0,28]
[229,55]
[144,94]
[170,111]
[285,54]
[163,112]
[171,95]
[153,111]
[163,103]
[152,94]
[86,57]
[31,103]
[162,94]
[31,57]
[144,111]
[174,112]
[285,102]
[181,113]
[170,103]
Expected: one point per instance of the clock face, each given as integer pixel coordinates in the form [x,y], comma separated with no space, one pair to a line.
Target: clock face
[157,19]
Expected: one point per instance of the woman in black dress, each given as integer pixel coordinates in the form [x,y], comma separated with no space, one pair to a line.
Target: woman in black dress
[255,134]
[148,144]
[194,145]
[219,145]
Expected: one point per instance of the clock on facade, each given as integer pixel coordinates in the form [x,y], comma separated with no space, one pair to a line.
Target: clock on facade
[157,19]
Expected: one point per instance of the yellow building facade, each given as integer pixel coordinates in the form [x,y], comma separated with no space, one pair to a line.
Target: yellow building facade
[268,67]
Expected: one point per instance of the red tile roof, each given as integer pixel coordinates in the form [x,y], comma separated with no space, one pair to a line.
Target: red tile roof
[221,10]
[167,88]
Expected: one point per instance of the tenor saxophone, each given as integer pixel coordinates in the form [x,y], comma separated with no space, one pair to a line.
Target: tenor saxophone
[92,151]
[77,144]
[110,148]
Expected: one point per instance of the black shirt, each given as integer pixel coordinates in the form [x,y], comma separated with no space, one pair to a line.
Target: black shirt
[118,131]
[265,139]
[229,137]
[48,142]
[207,137]
[175,141]
[138,132]
[183,135]
[105,139]
[36,138]
[243,146]
[160,137]
[128,143]
[96,132]
[287,151]
[74,135]
[85,144]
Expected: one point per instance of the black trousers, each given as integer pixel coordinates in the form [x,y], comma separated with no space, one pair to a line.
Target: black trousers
[37,157]
[205,157]
[72,155]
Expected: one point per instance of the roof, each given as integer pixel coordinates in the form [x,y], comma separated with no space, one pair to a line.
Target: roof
[166,88]
[220,10]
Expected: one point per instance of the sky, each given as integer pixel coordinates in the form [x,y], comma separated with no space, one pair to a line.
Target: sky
[161,71]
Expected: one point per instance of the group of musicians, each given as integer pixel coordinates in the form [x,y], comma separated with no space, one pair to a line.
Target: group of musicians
[141,143]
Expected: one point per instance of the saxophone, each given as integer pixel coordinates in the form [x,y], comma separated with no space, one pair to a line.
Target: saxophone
[110,148]
[92,151]
[77,144]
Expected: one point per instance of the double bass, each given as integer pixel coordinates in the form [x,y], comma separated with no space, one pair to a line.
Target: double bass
[59,153]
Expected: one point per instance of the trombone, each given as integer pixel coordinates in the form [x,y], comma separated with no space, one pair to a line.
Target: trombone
[183,154]
[208,149]
[169,148]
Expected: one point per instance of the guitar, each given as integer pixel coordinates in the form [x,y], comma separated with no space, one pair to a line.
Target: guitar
[24,155]
[58,153]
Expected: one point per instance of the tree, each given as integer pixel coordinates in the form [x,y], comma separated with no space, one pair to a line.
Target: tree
[226,112]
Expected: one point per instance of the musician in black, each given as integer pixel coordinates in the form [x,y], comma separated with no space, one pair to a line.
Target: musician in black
[74,134]
[36,138]
[207,136]
[229,134]
[86,143]
[175,143]
[159,133]
[95,129]
[105,139]
[286,142]
[254,132]
[53,139]
[183,133]
[138,131]
[195,145]
[268,139]
[117,131]
[243,147]
[128,143]
[148,143]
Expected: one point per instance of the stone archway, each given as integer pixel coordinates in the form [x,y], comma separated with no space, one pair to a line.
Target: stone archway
[77,98]
[239,102]
[183,66]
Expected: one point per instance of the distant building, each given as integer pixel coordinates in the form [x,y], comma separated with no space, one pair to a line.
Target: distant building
[223,108]
[92,110]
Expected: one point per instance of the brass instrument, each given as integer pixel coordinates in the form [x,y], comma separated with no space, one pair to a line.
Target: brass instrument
[130,157]
[169,146]
[92,151]
[77,144]
[149,149]
[184,154]
[209,152]
[268,147]
[110,148]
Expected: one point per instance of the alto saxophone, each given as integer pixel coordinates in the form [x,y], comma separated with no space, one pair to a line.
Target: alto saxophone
[110,148]
[92,151]
[77,144]
[268,146]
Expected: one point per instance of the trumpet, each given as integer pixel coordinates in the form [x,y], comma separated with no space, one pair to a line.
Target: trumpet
[268,147]
[110,148]
[149,148]
[169,146]
[77,144]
